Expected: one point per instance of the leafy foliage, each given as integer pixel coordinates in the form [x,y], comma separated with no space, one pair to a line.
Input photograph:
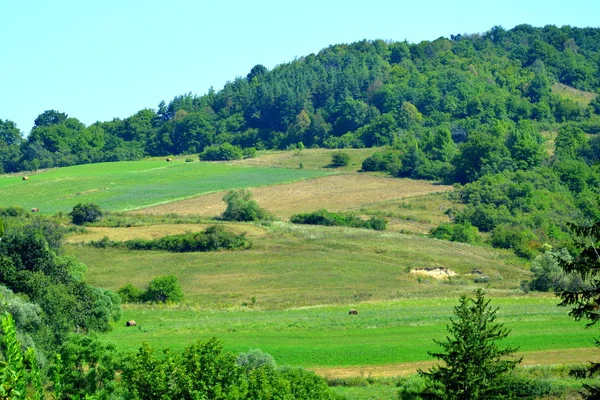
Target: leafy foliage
[213,238]
[223,152]
[340,159]
[58,301]
[584,300]
[327,218]
[368,93]
[84,213]
[163,289]
[474,365]
[241,207]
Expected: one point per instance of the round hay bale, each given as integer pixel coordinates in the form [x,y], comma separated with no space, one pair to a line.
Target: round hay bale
[35,210]
[169,159]
[130,323]
[25,178]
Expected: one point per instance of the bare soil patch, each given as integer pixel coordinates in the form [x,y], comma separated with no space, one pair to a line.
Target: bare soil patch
[335,192]
[435,272]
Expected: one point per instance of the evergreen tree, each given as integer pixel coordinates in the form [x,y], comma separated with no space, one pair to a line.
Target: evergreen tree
[474,363]
[585,299]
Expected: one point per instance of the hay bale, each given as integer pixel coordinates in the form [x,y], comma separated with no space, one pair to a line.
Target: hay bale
[169,159]
[35,210]
[353,312]
[130,323]
[25,178]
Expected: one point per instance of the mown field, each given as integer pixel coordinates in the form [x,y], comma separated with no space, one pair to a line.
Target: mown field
[135,184]
[386,338]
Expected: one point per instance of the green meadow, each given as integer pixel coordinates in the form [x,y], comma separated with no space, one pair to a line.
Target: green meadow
[135,184]
[383,333]
[289,294]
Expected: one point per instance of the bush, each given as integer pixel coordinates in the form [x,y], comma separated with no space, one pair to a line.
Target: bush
[249,152]
[84,213]
[164,289]
[212,239]
[340,159]
[241,207]
[514,237]
[223,152]
[130,294]
[255,359]
[326,218]
[464,233]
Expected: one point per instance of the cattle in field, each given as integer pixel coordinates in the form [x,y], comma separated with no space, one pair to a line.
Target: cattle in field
[353,312]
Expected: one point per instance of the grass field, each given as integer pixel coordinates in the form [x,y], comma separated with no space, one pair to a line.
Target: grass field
[290,293]
[135,184]
[299,265]
[392,336]
[336,192]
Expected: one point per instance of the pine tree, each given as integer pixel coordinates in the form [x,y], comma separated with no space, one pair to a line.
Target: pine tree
[474,363]
[585,300]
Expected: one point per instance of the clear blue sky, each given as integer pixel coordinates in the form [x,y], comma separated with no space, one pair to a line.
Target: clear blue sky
[97,60]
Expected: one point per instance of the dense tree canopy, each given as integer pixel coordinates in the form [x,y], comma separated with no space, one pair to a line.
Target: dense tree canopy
[366,93]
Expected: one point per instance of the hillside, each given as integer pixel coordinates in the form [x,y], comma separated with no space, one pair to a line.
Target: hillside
[367,93]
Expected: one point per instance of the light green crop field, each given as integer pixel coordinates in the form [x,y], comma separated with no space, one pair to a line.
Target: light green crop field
[135,184]
[383,333]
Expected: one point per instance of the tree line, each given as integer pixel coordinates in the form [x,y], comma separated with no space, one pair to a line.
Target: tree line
[368,93]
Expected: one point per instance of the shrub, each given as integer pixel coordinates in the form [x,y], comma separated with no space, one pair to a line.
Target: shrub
[164,289]
[249,152]
[514,237]
[241,207]
[212,239]
[130,294]
[326,218]
[464,233]
[223,152]
[255,359]
[84,213]
[340,159]
[13,211]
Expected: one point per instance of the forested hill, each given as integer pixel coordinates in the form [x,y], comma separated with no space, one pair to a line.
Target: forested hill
[369,93]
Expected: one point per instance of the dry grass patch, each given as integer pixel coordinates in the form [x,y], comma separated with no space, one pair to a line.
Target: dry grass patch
[336,193]
[530,358]
[309,159]
[149,232]
[579,96]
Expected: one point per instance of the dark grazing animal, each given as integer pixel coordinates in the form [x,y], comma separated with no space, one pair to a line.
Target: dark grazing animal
[353,312]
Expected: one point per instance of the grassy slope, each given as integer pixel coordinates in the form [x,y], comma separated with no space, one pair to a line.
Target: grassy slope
[579,96]
[135,184]
[292,266]
[303,280]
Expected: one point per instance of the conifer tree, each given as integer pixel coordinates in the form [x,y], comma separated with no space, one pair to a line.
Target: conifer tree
[474,364]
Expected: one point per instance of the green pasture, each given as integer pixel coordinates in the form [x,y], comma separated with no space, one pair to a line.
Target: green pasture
[301,265]
[383,333]
[135,184]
